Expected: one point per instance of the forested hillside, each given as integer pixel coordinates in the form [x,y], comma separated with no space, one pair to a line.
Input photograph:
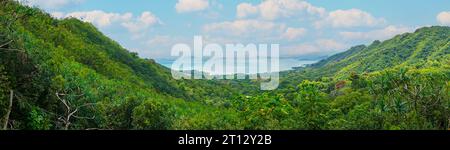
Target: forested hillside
[58,67]
[65,74]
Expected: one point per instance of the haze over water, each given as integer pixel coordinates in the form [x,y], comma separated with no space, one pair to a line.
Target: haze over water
[285,64]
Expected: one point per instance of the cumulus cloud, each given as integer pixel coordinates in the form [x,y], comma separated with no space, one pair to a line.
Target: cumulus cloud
[349,18]
[243,27]
[246,9]
[444,18]
[143,22]
[379,34]
[97,17]
[183,6]
[104,19]
[50,4]
[274,9]
[265,20]
[293,33]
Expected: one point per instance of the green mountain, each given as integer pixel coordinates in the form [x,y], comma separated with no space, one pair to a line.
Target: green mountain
[65,74]
[427,47]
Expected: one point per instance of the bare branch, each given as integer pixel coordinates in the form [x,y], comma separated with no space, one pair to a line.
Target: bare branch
[63,101]
[94,129]
[89,118]
[12,49]
[4,44]
[69,112]
[6,118]
[86,105]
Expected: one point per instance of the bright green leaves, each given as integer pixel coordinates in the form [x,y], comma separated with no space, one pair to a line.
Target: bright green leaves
[264,111]
[38,120]
[312,104]
[152,115]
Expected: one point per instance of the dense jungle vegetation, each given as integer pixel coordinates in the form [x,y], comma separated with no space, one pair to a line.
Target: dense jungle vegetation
[58,74]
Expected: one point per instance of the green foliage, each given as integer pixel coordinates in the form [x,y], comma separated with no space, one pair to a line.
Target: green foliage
[346,102]
[152,115]
[3,92]
[312,103]
[38,120]
[401,83]
[364,117]
[422,92]
[264,112]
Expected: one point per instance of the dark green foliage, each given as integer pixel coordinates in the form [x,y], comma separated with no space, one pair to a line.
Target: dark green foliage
[4,91]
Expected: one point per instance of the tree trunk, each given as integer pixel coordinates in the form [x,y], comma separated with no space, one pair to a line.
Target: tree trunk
[5,124]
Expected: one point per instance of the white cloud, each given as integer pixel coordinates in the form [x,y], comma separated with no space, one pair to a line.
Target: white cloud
[142,23]
[98,17]
[293,33]
[257,21]
[349,18]
[50,4]
[243,27]
[191,5]
[318,47]
[246,9]
[274,9]
[104,19]
[379,34]
[444,18]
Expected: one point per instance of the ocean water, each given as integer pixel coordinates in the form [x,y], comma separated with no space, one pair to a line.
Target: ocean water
[284,65]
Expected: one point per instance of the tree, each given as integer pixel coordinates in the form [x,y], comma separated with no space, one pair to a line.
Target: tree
[312,104]
[8,112]
[70,111]
[152,115]
[5,97]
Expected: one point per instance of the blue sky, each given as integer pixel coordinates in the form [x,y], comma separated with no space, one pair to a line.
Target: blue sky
[304,29]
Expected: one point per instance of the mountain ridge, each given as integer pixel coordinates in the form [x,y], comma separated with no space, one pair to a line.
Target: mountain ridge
[363,58]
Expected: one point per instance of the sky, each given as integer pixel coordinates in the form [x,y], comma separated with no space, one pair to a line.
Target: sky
[303,28]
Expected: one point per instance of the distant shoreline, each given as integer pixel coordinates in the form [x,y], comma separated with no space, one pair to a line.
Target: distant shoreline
[285,63]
